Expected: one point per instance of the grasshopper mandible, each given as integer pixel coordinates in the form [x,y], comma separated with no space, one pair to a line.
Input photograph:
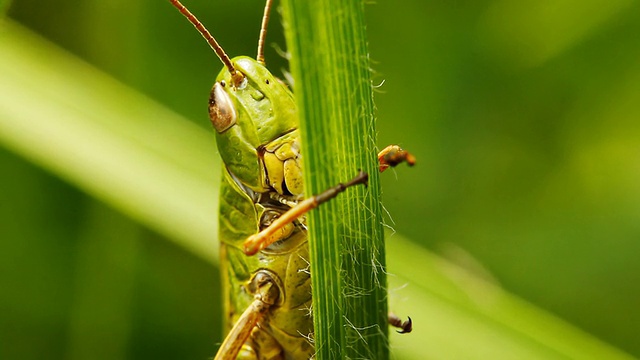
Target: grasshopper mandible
[262,207]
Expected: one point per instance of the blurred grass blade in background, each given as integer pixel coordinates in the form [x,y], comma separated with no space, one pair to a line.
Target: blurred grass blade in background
[459,315]
[145,161]
[108,140]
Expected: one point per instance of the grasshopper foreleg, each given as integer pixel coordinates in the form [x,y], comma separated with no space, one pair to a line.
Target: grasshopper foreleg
[264,238]
[390,156]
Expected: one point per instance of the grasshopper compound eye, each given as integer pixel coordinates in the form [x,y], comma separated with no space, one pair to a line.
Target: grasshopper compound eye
[221,111]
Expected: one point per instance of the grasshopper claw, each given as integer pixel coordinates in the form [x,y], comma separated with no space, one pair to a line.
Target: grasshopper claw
[404,326]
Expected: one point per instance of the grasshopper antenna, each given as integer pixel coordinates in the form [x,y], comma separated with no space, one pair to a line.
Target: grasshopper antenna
[235,75]
[263,32]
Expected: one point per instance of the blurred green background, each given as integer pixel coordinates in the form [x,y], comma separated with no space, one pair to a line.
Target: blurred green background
[525,118]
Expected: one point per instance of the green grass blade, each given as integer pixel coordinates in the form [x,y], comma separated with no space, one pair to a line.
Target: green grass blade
[329,63]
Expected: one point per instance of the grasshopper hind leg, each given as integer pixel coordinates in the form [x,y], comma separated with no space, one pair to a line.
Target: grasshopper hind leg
[241,338]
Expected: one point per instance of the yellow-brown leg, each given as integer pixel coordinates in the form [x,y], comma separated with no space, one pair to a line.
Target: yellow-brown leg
[266,294]
[264,238]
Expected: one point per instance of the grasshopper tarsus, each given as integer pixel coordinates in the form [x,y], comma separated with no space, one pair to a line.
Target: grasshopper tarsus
[264,238]
[407,327]
[404,326]
[394,155]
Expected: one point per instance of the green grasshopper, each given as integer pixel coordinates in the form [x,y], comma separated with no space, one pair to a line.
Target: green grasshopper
[268,296]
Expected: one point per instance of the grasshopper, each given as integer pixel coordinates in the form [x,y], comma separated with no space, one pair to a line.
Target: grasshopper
[262,208]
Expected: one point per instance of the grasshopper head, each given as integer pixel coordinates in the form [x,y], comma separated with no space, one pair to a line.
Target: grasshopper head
[248,112]
[248,107]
